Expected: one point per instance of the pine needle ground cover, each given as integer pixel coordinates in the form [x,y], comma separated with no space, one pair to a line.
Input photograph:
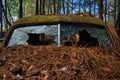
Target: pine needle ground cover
[59,63]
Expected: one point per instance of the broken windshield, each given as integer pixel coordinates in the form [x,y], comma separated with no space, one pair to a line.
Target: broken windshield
[73,34]
[34,35]
[85,35]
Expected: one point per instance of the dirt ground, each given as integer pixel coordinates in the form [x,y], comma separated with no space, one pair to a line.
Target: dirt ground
[58,63]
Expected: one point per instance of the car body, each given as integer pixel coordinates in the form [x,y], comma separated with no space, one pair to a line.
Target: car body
[61,30]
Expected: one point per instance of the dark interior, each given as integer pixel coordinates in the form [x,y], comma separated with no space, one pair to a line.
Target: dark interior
[84,39]
[38,39]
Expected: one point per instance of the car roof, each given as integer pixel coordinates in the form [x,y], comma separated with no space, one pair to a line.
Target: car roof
[40,19]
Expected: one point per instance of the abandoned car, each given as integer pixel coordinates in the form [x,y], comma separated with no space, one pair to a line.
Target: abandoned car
[60,47]
[67,30]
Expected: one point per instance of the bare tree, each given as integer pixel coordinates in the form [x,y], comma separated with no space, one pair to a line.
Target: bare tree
[4,14]
[50,6]
[59,7]
[43,6]
[40,11]
[115,11]
[37,7]
[100,6]
[85,1]
[79,4]
[105,11]
[63,3]
[89,3]
[72,3]
[67,7]
[94,7]
[54,6]
[20,9]
[1,15]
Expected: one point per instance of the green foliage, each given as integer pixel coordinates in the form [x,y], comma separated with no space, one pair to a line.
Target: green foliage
[28,7]
[61,7]
[13,7]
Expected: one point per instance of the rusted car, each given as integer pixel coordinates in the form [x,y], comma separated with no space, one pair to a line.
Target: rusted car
[60,47]
[65,30]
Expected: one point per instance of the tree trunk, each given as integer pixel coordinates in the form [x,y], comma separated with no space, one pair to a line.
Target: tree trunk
[51,11]
[94,7]
[89,3]
[48,7]
[100,6]
[40,11]
[5,16]
[72,7]
[10,15]
[79,4]
[115,11]
[84,5]
[20,9]
[1,17]
[4,12]
[6,26]
[0,10]
[105,10]
[43,6]
[63,3]
[54,6]
[67,7]
[37,7]
[59,6]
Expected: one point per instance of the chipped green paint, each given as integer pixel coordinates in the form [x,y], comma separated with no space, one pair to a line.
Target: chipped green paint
[59,18]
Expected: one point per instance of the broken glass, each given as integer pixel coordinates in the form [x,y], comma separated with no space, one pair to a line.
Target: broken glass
[20,35]
[68,34]
[93,34]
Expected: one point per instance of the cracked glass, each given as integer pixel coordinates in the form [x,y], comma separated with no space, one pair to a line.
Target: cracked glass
[97,34]
[20,35]
[94,35]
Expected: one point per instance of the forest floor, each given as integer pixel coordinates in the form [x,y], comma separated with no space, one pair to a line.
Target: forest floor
[58,63]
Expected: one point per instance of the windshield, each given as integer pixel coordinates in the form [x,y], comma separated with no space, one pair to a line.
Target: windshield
[61,34]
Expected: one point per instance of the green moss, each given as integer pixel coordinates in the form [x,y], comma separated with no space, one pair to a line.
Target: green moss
[59,18]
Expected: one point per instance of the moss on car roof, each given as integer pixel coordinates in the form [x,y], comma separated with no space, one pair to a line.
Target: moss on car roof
[59,18]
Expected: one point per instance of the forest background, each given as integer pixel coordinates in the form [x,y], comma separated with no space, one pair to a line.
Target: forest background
[106,10]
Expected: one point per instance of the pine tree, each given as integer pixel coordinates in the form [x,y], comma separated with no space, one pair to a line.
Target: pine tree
[105,10]
[115,11]
[100,6]
[37,7]
[20,9]
[1,16]
[63,3]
